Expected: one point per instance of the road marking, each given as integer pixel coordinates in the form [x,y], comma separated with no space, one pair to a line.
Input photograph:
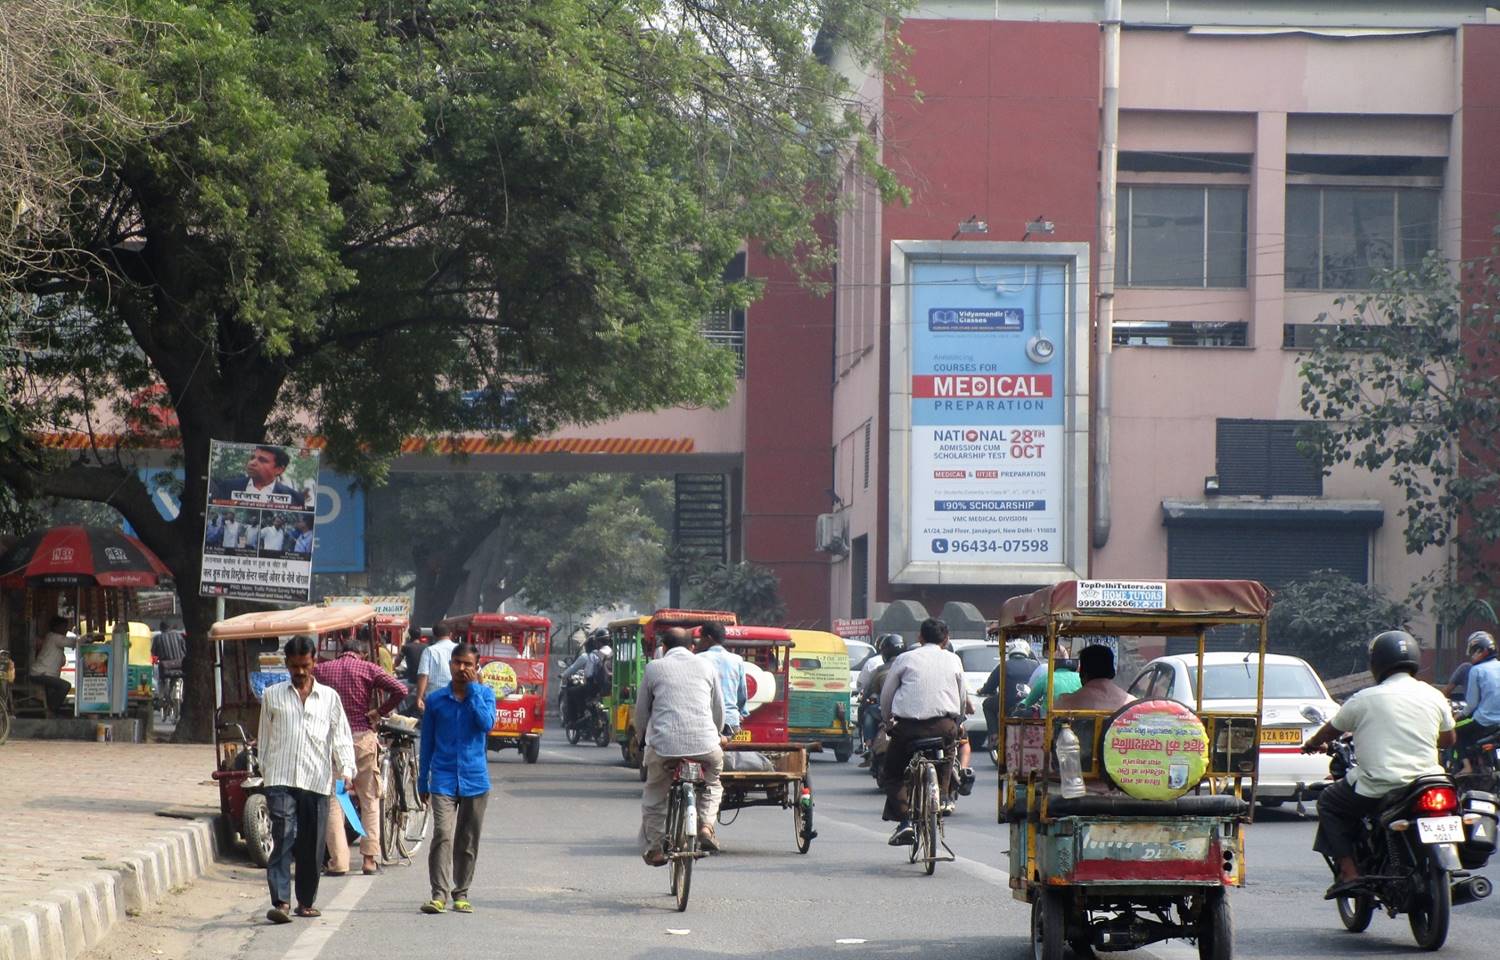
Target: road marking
[310,943]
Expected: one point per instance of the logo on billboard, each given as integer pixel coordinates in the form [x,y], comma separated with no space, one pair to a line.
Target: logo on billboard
[976,319]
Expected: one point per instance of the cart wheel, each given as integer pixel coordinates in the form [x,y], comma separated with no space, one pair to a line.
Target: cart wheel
[1215,928]
[255,827]
[574,735]
[1048,924]
[531,749]
[1356,912]
[801,819]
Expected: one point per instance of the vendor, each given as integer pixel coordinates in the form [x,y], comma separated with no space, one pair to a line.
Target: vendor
[46,666]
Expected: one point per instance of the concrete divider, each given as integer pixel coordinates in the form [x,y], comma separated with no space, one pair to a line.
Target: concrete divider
[75,917]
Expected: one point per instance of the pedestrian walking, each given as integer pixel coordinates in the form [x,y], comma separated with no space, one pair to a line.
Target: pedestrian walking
[453,775]
[368,693]
[433,673]
[304,743]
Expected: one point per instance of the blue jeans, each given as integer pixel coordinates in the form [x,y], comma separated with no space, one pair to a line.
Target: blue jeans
[869,722]
[298,819]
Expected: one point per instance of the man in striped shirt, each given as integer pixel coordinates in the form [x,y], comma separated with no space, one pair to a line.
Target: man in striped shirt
[368,693]
[304,741]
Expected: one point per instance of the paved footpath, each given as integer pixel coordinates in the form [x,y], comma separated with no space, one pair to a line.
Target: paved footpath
[91,831]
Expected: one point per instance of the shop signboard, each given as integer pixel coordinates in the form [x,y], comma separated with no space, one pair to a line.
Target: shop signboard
[989,384]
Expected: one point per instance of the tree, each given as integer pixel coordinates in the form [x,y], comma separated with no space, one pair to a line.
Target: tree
[1328,621]
[1405,384]
[405,219]
[750,590]
[567,543]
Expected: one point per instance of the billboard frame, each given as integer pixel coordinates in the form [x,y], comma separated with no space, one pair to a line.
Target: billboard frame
[901,568]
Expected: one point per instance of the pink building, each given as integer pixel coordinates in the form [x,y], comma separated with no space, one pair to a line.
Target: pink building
[1267,162]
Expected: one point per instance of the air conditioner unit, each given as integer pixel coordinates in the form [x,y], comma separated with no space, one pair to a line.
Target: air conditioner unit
[833,533]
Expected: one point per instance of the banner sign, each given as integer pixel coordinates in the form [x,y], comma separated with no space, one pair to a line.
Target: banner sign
[986,385]
[1155,750]
[385,606]
[859,629]
[1122,594]
[258,536]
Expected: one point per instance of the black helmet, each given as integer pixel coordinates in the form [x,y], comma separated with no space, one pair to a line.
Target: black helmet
[598,635]
[1394,650]
[1481,640]
[891,644]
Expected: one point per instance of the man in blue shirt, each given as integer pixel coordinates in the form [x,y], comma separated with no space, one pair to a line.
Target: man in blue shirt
[1482,695]
[453,775]
[730,669]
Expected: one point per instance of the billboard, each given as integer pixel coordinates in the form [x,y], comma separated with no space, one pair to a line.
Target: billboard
[989,382]
[258,533]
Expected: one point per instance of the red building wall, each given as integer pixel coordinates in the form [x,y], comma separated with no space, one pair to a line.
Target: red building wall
[1007,129]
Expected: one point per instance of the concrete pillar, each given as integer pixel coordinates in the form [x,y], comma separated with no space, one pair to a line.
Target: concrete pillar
[1267,227]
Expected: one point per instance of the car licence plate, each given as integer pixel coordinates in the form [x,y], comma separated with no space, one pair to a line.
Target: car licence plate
[1281,735]
[1440,830]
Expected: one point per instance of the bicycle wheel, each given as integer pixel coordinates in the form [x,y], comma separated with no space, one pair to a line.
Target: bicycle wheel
[416,813]
[918,820]
[391,815]
[674,827]
[687,848]
[4,712]
[931,807]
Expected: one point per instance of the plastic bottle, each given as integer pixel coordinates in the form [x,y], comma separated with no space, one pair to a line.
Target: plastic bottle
[1069,766]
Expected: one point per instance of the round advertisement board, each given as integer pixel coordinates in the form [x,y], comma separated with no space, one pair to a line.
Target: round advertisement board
[1155,749]
[499,677]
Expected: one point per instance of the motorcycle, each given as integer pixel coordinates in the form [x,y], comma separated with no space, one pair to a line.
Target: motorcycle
[591,721]
[1484,772]
[1415,853]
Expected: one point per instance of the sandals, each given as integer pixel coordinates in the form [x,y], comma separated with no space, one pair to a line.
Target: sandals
[655,858]
[278,913]
[434,906]
[463,906]
[308,912]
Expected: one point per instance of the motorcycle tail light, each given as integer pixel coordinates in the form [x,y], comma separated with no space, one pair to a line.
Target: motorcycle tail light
[1437,800]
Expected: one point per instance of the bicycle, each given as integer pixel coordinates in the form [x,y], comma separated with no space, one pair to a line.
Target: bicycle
[927,800]
[7,709]
[403,815]
[682,828]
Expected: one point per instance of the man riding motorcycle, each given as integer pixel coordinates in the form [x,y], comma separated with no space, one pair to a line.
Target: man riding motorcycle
[592,664]
[1481,695]
[871,676]
[1398,726]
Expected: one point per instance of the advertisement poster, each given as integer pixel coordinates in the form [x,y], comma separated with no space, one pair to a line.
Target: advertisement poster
[988,384]
[1155,750]
[258,535]
[93,678]
[858,629]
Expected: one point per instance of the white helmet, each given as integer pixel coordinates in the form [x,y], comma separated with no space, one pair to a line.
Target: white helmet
[605,652]
[1017,648]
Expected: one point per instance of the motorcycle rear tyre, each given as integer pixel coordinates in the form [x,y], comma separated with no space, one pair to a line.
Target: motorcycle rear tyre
[574,735]
[1429,927]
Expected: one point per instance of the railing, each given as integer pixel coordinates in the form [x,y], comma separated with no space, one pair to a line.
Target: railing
[733,340]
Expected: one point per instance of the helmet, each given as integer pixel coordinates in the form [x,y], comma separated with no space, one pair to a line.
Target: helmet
[1017,648]
[605,652]
[599,634]
[1481,640]
[891,644]
[1394,650]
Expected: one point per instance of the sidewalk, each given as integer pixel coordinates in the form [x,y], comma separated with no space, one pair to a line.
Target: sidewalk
[93,830]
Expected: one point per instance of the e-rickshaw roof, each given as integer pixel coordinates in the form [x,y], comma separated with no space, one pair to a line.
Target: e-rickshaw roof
[511,622]
[692,618]
[746,635]
[1190,605]
[640,621]
[282,623]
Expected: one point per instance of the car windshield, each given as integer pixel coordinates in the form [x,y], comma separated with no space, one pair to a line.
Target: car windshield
[980,659]
[1236,681]
[858,654]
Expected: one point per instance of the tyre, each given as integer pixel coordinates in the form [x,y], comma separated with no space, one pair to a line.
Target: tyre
[931,804]
[1429,923]
[684,841]
[4,724]
[1215,928]
[1356,912]
[801,819]
[574,735]
[601,734]
[1048,925]
[843,753]
[416,815]
[531,748]
[255,827]
[391,819]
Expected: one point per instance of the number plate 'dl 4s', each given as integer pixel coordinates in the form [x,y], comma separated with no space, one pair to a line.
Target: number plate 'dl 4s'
[1440,830]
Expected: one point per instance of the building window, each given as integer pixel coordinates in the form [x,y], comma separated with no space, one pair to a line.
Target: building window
[1338,237]
[1180,236]
[1261,458]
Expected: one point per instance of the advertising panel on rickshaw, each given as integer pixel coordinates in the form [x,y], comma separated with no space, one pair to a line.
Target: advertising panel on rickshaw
[513,656]
[1127,822]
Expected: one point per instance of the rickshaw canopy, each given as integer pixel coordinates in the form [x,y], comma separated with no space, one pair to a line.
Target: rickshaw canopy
[281,623]
[1154,608]
[497,622]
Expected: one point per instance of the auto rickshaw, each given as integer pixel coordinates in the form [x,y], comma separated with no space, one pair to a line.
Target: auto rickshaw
[818,710]
[248,658]
[634,641]
[1145,847]
[514,651]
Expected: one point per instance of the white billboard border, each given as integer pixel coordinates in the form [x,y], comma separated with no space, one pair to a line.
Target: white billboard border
[901,569]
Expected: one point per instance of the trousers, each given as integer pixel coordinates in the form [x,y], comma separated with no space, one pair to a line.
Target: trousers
[1340,810]
[367,788]
[898,755]
[55,689]
[456,823]
[659,786]
[298,818]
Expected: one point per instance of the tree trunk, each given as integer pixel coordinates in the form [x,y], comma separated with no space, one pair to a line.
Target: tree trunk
[196,723]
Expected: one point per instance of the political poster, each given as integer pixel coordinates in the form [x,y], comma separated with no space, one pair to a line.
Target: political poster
[986,379]
[258,534]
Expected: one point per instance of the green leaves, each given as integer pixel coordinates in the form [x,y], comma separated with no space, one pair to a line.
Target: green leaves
[1329,619]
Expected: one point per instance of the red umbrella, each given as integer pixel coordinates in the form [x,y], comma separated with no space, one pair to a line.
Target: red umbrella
[81,557]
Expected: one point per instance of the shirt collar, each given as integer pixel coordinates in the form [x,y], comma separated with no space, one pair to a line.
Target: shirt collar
[675,651]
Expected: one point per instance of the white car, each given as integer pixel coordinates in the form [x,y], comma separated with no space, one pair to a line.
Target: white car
[980,658]
[1296,705]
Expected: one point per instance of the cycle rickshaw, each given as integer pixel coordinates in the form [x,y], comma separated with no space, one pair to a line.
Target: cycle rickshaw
[514,651]
[1148,846]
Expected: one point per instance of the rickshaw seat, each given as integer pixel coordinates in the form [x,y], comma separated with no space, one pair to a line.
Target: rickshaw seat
[1093,805]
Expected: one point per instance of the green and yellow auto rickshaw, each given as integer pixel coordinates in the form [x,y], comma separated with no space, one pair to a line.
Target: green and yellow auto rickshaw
[819,680]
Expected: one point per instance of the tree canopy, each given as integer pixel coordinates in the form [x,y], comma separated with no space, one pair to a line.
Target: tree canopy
[376,221]
[1328,620]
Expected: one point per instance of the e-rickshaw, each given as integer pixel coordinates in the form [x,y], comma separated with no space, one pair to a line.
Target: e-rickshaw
[818,709]
[247,659]
[634,642]
[1145,843]
[513,656]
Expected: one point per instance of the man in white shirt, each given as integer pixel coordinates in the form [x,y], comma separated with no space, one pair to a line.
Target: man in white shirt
[231,538]
[273,538]
[1398,727]
[46,666]
[304,742]
[679,711]
[434,673]
[924,696]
